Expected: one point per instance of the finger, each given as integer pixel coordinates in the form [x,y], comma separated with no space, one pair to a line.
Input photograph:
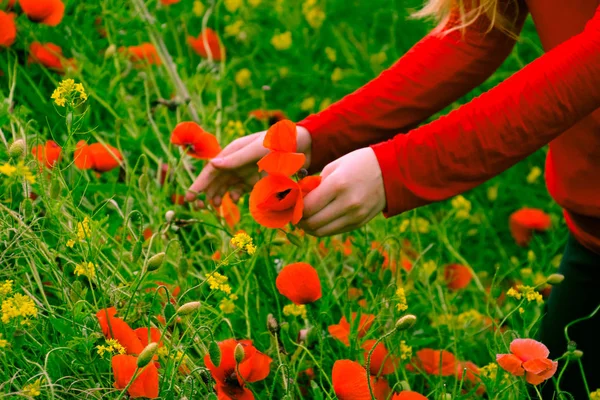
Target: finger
[316,200]
[238,144]
[331,212]
[249,154]
[340,225]
[220,192]
[219,186]
[206,177]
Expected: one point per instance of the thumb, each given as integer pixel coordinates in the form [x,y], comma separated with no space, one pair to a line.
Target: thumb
[248,155]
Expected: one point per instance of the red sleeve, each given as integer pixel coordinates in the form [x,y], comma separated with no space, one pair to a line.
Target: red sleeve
[438,70]
[496,130]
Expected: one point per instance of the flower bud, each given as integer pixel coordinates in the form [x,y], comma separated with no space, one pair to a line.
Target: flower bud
[110,51]
[239,353]
[295,240]
[571,346]
[575,355]
[555,279]
[272,324]
[406,322]
[143,182]
[17,148]
[169,215]
[147,354]
[156,261]
[188,308]
[214,353]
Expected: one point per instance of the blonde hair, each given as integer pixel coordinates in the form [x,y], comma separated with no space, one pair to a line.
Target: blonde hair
[500,16]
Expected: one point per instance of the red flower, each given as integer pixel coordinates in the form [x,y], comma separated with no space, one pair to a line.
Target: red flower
[283,159]
[229,211]
[525,221]
[50,56]
[48,12]
[529,358]
[97,156]
[457,276]
[471,375]
[271,116]
[382,363]
[48,154]
[254,367]
[115,328]
[300,283]
[146,382]
[349,380]
[341,331]
[437,362]
[169,2]
[196,141]
[408,395]
[212,40]
[143,53]
[8,29]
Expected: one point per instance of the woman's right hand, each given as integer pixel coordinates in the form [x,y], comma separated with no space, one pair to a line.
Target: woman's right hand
[234,169]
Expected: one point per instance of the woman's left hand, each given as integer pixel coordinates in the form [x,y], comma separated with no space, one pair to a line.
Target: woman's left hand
[350,195]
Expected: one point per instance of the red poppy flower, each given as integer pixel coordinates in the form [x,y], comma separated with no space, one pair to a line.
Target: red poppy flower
[212,40]
[270,116]
[115,328]
[300,283]
[382,363]
[169,2]
[283,159]
[8,29]
[48,154]
[341,331]
[470,371]
[354,293]
[254,367]
[457,276]
[530,358]
[196,141]
[97,156]
[349,380]
[143,53]
[50,56]
[146,382]
[525,221]
[437,362]
[408,395]
[47,12]
[229,211]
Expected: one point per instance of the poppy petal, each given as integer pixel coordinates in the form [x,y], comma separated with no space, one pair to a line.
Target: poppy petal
[300,283]
[260,367]
[281,137]
[510,363]
[309,184]
[525,221]
[349,380]
[280,163]
[457,276]
[229,211]
[382,362]
[275,200]
[146,381]
[528,349]
[408,395]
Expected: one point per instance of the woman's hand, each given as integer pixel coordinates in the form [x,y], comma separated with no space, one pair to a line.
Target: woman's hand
[350,195]
[234,170]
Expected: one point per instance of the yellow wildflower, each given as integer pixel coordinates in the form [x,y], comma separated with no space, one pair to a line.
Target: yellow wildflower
[337,75]
[295,310]
[163,351]
[512,292]
[308,104]
[70,243]
[232,5]
[521,310]
[534,174]
[198,8]
[378,58]
[462,207]
[489,371]
[326,102]
[88,270]
[315,17]
[6,287]
[284,71]
[227,305]
[421,225]
[32,389]
[405,351]
[331,54]
[254,3]
[3,342]
[234,29]
[235,128]
[404,225]
[492,193]
[112,347]
[7,169]
[531,256]
[556,261]
[526,272]
[242,78]
[18,306]
[428,268]
[595,395]
[282,41]
[243,241]
[401,295]
[69,92]
[216,281]
[83,229]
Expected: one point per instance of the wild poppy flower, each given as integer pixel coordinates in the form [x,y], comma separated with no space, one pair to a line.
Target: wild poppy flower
[8,29]
[254,367]
[169,2]
[530,358]
[97,156]
[47,12]
[525,221]
[50,56]
[142,334]
[229,211]
[143,53]
[457,276]
[283,159]
[300,283]
[470,371]
[195,141]
[48,154]
[212,40]
[270,116]
[437,362]
[382,363]
[341,331]
[349,380]
[115,328]
[408,395]
[146,382]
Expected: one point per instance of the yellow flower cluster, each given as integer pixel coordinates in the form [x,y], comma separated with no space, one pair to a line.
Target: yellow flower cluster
[492,193]
[112,347]
[468,319]
[18,170]
[32,389]
[595,395]
[235,128]
[243,241]
[534,174]
[254,3]
[405,351]
[527,292]
[232,5]
[282,41]
[216,281]
[18,306]
[3,342]
[6,287]
[84,269]
[83,232]
[234,29]
[331,54]
[243,78]
[308,104]
[378,58]
[419,224]
[297,310]
[313,13]
[401,295]
[69,92]
[462,207]
[337,75]
[198,8]
[227,305]
[489,371]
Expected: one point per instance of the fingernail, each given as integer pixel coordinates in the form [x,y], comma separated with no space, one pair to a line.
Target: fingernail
[217,161]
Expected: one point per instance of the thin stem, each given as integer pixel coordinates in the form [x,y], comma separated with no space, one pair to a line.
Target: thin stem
[368,366]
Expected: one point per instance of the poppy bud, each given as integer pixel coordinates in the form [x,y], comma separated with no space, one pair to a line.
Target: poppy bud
[156,261]
[404,385]
[575,355]
[214,353]
[169,215]
[136,252]
[55,188]
[295,240]
[188,308]
[110,51]
[372,257]
[169,312]
[555,279]
[27,208]
[147,354]
[571,346]
[272,324]
[239,353]
[143,182]
[447,396]
[17,148]
[406,322]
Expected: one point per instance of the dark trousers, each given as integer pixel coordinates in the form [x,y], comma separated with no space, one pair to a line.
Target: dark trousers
[576,297]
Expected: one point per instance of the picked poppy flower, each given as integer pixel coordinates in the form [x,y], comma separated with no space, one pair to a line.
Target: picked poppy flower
[457,276]
[207,38]
[349,380]
[50,56]
[143,53]
[525,221]
[8,29]
[115,328]
[341,331]
[97,156]
[283,159]
[270,116]
[195,141]
[229,211]
[300,283]
[48,153]
[255,366]
[47,12]
[408,395]
[530,358]
[146,381]
[382,363]
[437,362]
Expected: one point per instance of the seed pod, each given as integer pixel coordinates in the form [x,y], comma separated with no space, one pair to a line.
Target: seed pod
[136,252]
[143,182]
[156,261]
[147,354]
[188,308]
[295,240]
[169,215]
[239,353]
[110,51]
[214,353]
[406,322]
[555,279]
[55,188]
[17,148]
[169,312]
[576,355]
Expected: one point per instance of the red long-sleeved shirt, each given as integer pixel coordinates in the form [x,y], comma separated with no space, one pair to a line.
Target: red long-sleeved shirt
[555,99]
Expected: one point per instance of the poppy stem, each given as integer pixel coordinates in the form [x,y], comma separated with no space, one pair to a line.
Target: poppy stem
[129,384]
[368,366]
